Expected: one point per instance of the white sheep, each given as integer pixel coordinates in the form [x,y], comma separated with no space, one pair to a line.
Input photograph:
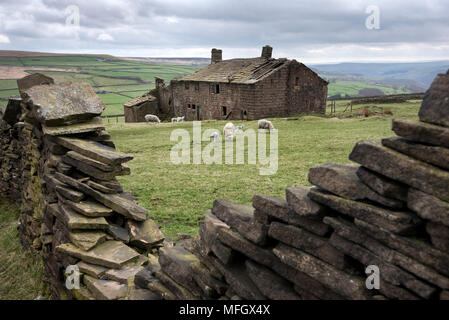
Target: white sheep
[152,118]
[180,119]
[174,120]
[228,131]
[265,124]
[215,136]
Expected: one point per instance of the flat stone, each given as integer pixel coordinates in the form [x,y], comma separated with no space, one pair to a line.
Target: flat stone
[93,171]
[117,202]
[142,294]
[92,125]
[145,235]
[301,204]
[435,106]
[179,291]
[65,103]
[389,272]
[339,179]
[92,270]
[100,187]
[105,289]
[82,294]
[396,292]
[94,150]
[401,222]
[209,235]
[145,279]
[444,295]
[310,243]
[87,240]
[240,282]
[344,284]
[118,233]
[269,283]
[186,269]
[110,184]
[413,248]
[422,132]
[88,208]
[428,207]
[247,248]
[110,254]
[438,156]
[383,185]
[91,162]
[64,168]
[400,167]
[437,230]
[241,219]
[34,79]
[279,209]
[75,220]
[125,275]
[69,194]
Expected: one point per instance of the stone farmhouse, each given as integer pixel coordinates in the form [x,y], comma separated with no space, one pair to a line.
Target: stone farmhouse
[248,89]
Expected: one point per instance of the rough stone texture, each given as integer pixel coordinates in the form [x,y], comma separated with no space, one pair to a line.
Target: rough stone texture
[240,218]
[439,235]
[435,106]
[118,233]
[104,289]
[279,209]
[144,234]
[12,112]
[93,125]
[124,275]
[422,132]
[401,222]
[92,270]
[86,240]
[35,79]
[77,221]
[209,236]
[269,283]
[65,103]
[383,185]
[94,150]
[438,156]
[110,254]
[88,208]
[342,283]
[400,167]
[428,207]
[300,203]
[310,243]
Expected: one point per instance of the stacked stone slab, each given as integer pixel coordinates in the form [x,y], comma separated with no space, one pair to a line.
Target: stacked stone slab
[58,160]
[391,212]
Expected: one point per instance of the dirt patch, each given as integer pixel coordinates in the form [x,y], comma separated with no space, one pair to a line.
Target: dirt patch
[9,72]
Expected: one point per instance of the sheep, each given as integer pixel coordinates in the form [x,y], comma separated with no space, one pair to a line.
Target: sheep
[228,131]
[180,119]
[174,120]
[152,118]
[265,124]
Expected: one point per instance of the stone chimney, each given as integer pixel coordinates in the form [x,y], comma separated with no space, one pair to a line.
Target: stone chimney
[216,56]
[266,52]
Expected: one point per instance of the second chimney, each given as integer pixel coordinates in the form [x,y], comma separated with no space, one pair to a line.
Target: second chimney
[266,52]
[216,56]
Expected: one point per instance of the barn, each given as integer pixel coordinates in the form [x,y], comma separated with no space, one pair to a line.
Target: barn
[249,89]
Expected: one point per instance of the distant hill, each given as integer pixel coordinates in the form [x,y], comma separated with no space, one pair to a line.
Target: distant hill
[180,61]
[417,74]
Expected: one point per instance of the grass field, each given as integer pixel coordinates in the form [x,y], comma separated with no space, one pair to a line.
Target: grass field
[176,195]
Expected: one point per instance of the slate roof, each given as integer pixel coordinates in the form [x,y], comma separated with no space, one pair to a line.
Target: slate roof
[139,100]
[244,71]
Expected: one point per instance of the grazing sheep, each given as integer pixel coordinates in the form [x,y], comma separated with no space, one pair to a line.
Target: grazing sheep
[265,124]
[180,119]
[228,131]
[174,120]
[152,118]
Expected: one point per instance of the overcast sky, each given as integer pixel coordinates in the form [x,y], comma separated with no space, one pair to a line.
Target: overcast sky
[314,31]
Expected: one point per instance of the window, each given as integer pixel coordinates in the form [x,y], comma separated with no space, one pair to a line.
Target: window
[186,85]
[189,106]
[193,107]
[197,86]
[224,111]
[297,81]
[217,88]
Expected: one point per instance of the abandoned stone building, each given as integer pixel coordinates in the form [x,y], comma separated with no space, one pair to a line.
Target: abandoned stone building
[249,89]
[156,102]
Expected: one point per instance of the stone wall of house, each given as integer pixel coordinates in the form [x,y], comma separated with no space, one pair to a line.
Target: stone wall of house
[278,95]
[388,215]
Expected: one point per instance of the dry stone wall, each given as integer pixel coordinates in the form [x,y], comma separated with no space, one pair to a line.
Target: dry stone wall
[391,211]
